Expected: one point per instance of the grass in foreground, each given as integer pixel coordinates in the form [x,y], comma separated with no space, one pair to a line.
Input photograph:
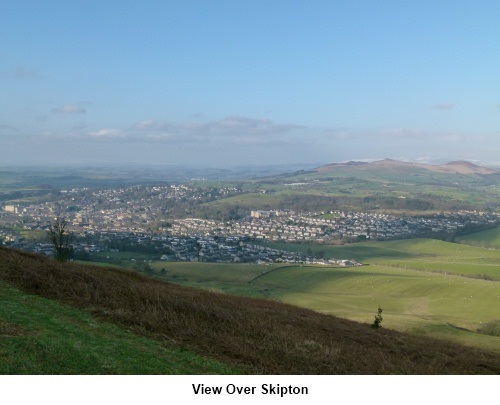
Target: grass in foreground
[258,336]
[42,336]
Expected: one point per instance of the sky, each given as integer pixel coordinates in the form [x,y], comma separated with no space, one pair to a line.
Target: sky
[230,83]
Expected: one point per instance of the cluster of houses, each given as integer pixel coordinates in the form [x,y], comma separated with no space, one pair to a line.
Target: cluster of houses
[145,213]
[152,209]
[171,248]
[127,209]
[323,227]
[234,249]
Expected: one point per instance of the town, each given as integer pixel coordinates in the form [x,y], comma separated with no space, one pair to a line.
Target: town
[148,219]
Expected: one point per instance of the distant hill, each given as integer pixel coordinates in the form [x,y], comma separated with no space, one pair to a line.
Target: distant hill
[256,335]
[463,167]
[457,167]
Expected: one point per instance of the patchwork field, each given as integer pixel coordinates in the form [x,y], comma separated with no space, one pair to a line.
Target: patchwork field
[424,286]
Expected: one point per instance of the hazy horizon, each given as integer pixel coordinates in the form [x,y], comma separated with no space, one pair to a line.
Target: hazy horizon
[274,168]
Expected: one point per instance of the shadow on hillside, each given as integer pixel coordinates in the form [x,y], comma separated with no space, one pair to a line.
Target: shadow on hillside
[362,252]
[259,336]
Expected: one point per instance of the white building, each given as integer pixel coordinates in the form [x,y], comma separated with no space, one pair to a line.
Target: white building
[12,208]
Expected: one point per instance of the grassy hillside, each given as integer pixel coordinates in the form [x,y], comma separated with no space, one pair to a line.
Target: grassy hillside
[257,336]
[419,254]
[425,286]
[42,336]
[441,306]
[376,186]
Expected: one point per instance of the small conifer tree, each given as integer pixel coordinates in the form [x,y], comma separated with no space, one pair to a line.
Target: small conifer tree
[377,323]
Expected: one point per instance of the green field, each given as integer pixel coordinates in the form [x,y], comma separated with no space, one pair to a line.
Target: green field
[121,258]
[428,255]
[424,286]
[218,277]
[41,336]
[412,300]
[489,238]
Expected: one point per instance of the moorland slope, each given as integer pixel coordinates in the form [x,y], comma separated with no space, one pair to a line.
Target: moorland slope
[258,336]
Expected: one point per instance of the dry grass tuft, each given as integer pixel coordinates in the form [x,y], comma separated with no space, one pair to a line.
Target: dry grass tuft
[8,330]
[261,336]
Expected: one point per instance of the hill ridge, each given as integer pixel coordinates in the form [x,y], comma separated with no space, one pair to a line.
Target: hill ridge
[260,336]
[454,167]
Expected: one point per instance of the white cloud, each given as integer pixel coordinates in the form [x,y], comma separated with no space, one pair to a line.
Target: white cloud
[231,129]
[443,106]
[339,133]
[227,126]
[69,109]
[453,138]
[401,133]
[249,126]
[108,133]
[358,133]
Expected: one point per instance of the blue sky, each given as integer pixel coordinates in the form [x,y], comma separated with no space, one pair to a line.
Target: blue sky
[223,83]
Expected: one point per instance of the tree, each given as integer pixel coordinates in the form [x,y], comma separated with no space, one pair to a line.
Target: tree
[377,323]
[60,238]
